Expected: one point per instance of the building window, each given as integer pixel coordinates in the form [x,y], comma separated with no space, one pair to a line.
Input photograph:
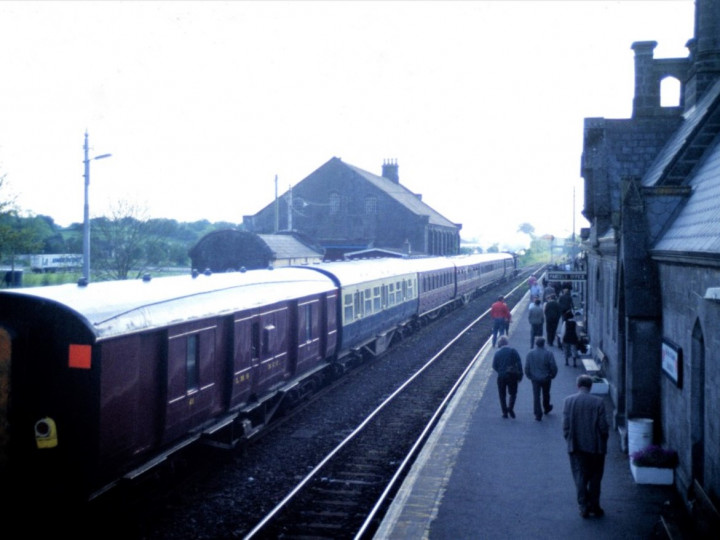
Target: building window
[370,205]
[334,203]
[670,92]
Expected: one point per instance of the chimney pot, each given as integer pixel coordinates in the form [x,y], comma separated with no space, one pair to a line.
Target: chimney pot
[390,170]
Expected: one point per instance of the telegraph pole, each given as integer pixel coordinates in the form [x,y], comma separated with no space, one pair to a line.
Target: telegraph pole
[277,208]
[86,213]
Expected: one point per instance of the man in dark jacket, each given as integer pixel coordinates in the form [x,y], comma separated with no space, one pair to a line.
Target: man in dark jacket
[586,429]
[553,312]
[508,365]
[566,301]
[541,369]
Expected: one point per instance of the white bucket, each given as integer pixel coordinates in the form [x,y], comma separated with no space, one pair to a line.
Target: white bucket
[640,432]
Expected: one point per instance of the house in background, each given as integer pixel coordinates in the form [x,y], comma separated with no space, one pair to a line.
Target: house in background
[232,250]
[652,196]
[345,209]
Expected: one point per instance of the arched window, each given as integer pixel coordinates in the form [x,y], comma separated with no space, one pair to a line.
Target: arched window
[670,92]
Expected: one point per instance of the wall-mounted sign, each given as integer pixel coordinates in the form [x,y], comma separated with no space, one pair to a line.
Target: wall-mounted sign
[672,361]
[567,276]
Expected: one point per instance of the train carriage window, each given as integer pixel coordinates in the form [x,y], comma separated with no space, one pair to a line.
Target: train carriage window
[385,297]
[358,304]
[191,363]
[391,294]
[348,305]
[308,322]
[255,350]
[267,331]
[368,301]
[376,299]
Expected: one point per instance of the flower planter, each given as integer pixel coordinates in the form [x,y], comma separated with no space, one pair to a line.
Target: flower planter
[652,475]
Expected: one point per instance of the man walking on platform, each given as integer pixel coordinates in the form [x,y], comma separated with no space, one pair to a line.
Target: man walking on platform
[566,301]
[541,369]
[536,318]
[508,365]
[586,429]
[500,314]
[553,313]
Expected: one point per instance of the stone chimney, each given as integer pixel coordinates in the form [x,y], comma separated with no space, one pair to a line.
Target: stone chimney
[649,74]
[390,170]
[647,85]
[704,50]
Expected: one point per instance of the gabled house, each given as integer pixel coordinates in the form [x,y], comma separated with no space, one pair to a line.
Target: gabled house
[232,250]
[652,196]
[343,208]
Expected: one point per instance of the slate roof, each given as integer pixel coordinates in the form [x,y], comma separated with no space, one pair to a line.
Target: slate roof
[680,155]
[697,226]
[403,196]
[285,246]
[692,157]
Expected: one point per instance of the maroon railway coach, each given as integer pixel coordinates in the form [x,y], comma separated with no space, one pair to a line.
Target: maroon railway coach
[99,381]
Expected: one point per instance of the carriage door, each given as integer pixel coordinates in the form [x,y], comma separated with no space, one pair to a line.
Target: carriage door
[5,358]
[191,388]
[270,337]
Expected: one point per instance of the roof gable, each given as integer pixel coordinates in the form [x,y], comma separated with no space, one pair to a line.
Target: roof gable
[402,196]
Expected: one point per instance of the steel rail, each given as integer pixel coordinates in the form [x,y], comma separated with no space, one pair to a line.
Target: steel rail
[311,475]
[422,438]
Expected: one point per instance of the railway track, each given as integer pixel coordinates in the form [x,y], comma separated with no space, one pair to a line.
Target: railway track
[346,494]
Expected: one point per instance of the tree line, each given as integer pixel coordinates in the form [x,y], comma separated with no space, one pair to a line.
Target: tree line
[123,244]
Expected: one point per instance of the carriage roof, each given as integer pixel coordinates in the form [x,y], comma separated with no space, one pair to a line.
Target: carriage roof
[117,307]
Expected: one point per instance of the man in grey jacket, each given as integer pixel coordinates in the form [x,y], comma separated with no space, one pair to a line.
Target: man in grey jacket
[541,369]
[586,430]
[536,318]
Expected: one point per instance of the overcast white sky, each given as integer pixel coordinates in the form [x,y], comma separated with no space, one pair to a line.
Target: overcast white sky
[202,104]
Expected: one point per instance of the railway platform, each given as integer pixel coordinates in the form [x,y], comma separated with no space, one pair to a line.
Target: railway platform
[482,476]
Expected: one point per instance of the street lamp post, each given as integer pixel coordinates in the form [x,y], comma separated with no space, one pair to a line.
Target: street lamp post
[86,220]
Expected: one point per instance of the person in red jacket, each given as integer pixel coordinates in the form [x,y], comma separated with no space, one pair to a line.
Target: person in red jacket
[500,314]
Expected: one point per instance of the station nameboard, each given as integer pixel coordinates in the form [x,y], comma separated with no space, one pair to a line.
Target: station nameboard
[567,276]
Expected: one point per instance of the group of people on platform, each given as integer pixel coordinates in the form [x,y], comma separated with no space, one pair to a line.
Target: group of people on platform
[585,426]
[556,314]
